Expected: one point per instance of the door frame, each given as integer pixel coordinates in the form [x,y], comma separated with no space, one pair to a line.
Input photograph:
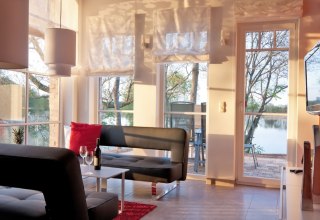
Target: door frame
[242,28]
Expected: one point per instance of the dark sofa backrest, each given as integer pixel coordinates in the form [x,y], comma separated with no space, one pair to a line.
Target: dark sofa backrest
[171,139]
[53,171]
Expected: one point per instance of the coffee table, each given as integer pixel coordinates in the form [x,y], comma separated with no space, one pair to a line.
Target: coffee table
[106,173]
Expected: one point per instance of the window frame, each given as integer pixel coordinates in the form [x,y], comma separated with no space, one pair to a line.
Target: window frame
[27,123]
[242,28]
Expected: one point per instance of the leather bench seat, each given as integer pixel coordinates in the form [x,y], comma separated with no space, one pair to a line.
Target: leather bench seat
[17,203]
[144,168]
[153,169]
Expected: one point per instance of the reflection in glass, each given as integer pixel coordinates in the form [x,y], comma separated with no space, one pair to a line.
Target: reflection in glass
[38,135]
[39,91]
[116,100]
[6,134]
[110,118]
[12,96]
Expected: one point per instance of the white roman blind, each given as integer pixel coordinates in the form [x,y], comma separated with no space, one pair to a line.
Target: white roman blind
[44,14]
[268,10]
[111,44]
[182,34]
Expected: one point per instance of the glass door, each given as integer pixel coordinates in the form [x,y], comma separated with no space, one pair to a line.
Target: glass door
[265,85]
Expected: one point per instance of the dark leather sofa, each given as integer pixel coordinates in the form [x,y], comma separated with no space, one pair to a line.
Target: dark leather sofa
[46,183]
[164,169]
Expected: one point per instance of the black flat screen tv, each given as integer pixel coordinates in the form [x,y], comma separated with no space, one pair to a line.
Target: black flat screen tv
[312,75]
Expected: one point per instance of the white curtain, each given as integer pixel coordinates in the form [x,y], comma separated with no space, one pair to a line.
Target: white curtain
[46,13]
[271,9]
[182,34]
[111,44]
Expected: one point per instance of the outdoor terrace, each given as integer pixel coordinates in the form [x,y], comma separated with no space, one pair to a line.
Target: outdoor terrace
[269,166]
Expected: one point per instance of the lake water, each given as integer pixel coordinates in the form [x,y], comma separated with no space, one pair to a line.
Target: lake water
[273,141]
[271,136]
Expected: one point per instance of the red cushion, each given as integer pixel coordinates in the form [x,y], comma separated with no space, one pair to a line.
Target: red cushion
[84,134]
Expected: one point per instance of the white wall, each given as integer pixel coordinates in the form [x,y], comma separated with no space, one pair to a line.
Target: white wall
[309,35]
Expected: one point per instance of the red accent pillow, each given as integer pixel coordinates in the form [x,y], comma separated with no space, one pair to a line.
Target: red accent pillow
[84,134]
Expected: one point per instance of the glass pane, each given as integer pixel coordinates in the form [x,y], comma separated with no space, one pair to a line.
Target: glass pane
[11,134]
[171,42]
[185,95]
[282,39]
[39,93]
[12,96]
[112,118]
[186,40]
[203,43]
[38,135]
[185,82]
[270,134]
[36,51]
[270,141]
[267,75]
[266,39]
[116,93]
[252,40]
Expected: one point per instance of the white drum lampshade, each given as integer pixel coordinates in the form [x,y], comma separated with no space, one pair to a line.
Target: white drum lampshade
[14,26]
[60,51]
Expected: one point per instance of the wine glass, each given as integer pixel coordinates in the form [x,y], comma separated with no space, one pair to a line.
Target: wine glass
[83,153]
[89,159]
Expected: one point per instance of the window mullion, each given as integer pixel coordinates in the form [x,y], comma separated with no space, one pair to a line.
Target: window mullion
[274,39]
[26,120]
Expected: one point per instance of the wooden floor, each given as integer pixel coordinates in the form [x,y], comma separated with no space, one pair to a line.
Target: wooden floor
[196,200]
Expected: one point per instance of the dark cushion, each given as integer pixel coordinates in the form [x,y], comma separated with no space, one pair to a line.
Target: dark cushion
[101,205]
[144,168]
[17,203]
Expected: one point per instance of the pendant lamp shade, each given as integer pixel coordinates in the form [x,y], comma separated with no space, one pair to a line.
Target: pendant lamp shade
[60,51]
[14,26]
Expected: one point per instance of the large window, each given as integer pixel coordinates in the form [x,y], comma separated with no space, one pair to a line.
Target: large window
[116,100]
[30,102]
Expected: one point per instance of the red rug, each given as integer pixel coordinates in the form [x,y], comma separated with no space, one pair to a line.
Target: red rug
[134,210]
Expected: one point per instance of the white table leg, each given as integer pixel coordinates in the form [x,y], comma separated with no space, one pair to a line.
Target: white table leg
[122,192]
[106,183]
[98,188]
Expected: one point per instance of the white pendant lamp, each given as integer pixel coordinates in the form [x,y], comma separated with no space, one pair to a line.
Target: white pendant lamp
[14,26]
[60,50]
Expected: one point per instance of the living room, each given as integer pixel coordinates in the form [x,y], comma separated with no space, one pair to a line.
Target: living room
[145,67]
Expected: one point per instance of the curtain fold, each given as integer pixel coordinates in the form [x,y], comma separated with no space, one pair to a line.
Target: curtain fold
[271,9]
[181,34]
[44,14]
[111,44]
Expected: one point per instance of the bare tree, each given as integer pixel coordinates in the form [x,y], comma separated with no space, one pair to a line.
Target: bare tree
[116,104]
[116,94]
[194,87]
[266,75]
